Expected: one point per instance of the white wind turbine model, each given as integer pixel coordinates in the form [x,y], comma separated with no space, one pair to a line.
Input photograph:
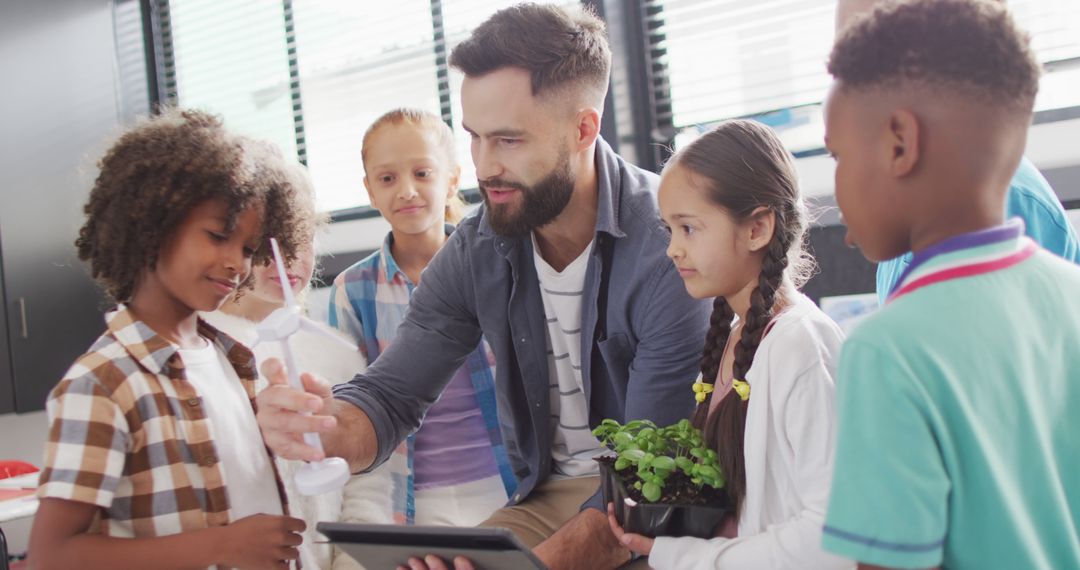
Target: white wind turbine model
[316,477]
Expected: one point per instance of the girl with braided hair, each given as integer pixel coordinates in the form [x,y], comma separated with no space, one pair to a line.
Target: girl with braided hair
[737,220]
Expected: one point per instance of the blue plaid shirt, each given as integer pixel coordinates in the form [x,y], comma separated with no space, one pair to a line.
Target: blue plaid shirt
[368,301]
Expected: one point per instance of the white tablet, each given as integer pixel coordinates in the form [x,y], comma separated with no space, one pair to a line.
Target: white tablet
[385,547]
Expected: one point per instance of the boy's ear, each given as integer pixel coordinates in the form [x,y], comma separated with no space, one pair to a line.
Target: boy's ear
[761,225]
[903,142]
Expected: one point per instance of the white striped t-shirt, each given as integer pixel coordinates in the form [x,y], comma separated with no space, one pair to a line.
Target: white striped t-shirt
[573,445]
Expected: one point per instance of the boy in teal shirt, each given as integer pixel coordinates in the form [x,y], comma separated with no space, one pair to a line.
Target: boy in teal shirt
[956,442]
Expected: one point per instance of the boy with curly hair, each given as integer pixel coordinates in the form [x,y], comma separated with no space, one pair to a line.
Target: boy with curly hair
[154,457]
[956,446]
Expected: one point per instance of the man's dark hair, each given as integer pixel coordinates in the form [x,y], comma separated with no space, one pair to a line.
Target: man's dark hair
[972,48]
[559,47]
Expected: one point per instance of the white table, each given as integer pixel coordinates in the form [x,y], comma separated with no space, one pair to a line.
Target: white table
[21,507]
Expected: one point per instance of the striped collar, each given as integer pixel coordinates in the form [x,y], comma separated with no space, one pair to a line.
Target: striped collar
[966,255]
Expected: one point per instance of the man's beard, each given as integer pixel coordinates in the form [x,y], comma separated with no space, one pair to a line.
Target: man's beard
[541,203]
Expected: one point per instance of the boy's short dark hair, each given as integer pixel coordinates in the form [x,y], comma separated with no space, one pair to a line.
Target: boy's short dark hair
[972,48]
[560,47]
[161,169]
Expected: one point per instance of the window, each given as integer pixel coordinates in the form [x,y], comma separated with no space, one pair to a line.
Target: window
[312,75]
[729,58]
[355,64]
[238,72]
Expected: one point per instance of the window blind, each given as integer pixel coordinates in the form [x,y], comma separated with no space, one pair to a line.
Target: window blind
[230,58]
[720,59]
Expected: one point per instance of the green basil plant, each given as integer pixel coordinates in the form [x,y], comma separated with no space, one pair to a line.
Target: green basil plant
[653,454]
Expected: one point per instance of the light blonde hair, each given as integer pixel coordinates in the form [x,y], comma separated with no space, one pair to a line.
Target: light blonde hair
[455,208]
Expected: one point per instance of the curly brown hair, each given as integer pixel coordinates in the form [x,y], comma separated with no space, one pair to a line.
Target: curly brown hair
[161,169]
[972,48]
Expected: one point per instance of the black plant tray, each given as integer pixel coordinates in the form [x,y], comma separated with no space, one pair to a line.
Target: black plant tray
[657,519]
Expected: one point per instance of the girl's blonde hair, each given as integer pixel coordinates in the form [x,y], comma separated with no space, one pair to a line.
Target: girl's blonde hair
[455,208]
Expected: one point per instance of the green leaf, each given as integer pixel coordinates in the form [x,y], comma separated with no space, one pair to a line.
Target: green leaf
[651,491]
[698,452]
[634,455]
[622,438]
[663,462]
[621,463]
[707,471]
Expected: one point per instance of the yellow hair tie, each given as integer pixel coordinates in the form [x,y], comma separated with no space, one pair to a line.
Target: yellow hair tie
[741,388]
[701,389]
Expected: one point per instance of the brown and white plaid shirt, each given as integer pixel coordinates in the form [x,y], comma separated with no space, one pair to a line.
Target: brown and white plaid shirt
[130,434]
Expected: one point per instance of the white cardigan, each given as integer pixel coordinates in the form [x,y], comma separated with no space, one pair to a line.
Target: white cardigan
[333,363]
[789,447]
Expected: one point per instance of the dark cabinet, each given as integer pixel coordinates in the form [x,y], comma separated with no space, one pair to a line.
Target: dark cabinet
[68,82]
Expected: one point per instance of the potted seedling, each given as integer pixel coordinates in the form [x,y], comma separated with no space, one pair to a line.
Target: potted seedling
[662,481]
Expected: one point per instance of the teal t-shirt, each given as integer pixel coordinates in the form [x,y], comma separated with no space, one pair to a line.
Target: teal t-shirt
[1031,199]
[958,443]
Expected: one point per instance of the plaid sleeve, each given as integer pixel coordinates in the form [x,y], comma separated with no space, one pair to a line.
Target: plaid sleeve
[344,318]
[88,441]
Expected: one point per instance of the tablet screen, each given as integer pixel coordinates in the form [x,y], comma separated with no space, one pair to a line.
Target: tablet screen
[387,546]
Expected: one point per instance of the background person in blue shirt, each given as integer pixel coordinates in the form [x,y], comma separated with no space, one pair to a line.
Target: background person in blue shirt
[1029,197]
[559,206]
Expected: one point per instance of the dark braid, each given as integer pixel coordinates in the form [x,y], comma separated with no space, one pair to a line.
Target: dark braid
[746,169]
[715,343]
[762,302]
[716,339]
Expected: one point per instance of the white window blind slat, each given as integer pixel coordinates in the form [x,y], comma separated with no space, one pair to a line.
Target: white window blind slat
[730,58]
[358,60]
[239,71]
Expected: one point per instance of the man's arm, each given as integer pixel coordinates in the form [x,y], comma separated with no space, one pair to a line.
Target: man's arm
[59,539]
[346,431]
[371,414]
